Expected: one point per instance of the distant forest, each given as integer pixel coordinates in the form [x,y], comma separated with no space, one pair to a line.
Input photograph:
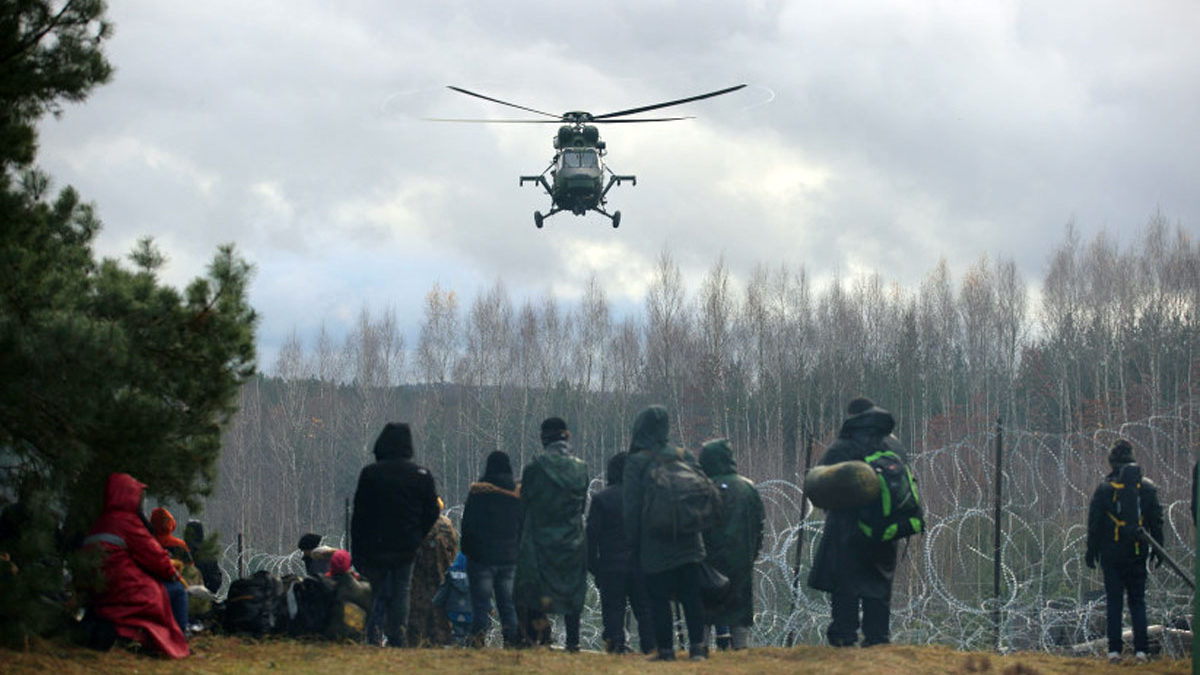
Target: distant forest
[1109,335]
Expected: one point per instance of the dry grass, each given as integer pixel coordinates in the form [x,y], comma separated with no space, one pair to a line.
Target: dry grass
[219,654]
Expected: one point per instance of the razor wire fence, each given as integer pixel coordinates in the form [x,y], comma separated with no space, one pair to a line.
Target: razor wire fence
[944,590]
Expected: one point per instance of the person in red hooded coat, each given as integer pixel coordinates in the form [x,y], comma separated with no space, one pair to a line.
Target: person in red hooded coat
[134,568]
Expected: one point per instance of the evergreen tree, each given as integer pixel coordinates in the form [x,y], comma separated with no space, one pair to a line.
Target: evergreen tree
[102,368]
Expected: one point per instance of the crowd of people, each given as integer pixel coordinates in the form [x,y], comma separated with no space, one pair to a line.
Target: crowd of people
[667,528]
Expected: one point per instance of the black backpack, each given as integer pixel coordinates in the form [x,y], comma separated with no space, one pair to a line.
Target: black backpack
[252,604]
[898,513]
[1125,509]
[679,500]
[309,601]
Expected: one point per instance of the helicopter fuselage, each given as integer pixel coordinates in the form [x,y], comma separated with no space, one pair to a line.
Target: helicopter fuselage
[577,179]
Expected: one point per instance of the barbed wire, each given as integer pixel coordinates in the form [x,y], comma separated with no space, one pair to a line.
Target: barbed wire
[943,592]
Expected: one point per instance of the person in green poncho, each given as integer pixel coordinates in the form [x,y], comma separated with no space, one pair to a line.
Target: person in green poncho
[552,559]
[733,546]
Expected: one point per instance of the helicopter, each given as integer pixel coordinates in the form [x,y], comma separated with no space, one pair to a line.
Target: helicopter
[577,171]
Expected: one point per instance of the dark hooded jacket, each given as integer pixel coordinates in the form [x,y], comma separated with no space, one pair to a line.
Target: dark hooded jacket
[491,520]
[651,429]
[845,561]
[134,568]
[608,549]
[395,503]
[552,563]
[210,569]
[734,544]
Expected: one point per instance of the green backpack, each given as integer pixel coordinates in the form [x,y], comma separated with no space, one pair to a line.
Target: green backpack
[898,513]
[679,500]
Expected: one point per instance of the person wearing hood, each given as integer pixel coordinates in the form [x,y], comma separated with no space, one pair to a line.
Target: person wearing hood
[395,505]
[206,560]
[856,572]
[671,565]
[351,599]
[610,560]
[733,545]
[491,536]
[552,558]
[134,569]
[1120,551]
[162,526]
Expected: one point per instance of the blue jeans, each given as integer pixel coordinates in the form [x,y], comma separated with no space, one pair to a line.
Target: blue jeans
[1126,577]
[391,588]
[487,581]
[179,602]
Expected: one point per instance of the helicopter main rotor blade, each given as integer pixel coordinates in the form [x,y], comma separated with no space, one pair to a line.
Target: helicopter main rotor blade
[656,106]
[604,121]
[645,119]
[455,119]
[511,105]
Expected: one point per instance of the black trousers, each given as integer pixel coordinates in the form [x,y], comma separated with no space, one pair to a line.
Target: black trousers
[1126,578]
[683,584]
[618,590]
[844,624]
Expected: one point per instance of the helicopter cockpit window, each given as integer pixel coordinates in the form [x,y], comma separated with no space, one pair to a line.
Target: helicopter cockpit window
[580,159]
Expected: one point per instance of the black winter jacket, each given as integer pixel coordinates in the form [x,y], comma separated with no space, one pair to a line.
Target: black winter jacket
[395,505]
[491,521]
[847,562]
[608,548]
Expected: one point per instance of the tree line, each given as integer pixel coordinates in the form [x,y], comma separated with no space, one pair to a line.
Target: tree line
[1109,335]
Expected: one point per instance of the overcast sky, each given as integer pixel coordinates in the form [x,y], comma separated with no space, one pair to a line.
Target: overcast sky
[872,136]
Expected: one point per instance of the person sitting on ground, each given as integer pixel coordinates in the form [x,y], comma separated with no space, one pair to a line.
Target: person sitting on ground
[162,526]
[351,600]
[134,569]
[314,556]
[204,554]
[454,599]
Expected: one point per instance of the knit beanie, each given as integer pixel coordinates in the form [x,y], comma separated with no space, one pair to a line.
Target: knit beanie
[554,429]
[1121,454]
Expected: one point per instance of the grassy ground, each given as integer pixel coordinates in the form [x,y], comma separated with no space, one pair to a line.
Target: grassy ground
[219,654]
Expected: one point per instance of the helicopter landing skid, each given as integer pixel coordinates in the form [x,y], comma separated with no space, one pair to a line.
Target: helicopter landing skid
[539,217]
[615,216]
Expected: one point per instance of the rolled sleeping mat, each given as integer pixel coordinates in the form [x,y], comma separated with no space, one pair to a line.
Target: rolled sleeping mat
[845,485]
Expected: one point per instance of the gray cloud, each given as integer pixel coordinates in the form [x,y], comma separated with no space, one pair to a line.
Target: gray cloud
[896,134]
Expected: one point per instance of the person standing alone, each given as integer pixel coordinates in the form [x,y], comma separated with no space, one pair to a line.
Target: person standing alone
[1124,508]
